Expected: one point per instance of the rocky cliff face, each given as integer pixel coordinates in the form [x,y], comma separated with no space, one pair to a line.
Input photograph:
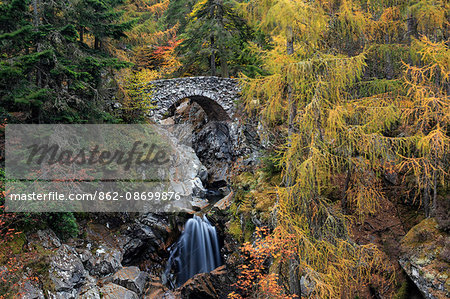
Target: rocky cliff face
[426,258]
[218,144]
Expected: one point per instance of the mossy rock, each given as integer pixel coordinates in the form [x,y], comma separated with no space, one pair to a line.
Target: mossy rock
[425,249]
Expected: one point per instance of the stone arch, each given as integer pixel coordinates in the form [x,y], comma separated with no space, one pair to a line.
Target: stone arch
[215,95]
[213,110]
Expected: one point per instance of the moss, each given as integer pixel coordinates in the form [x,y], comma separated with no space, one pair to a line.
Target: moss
[424,232]
[14,246]
[235,229]
[402,292]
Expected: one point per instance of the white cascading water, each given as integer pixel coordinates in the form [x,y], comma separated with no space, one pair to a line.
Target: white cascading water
[197,250]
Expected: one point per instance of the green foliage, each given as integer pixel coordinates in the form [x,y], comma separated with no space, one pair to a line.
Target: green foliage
[215,33]
[64,224]
[177,13]
[101,19]
[47,75]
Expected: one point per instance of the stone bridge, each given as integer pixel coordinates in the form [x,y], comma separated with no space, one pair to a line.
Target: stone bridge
[215,95]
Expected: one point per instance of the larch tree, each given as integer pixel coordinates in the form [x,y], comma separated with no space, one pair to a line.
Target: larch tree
[349,98]
[150,46]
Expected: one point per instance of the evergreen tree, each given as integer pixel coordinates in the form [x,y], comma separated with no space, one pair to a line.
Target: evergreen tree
[215,33]
[46,74]
[177,13]
[100,18]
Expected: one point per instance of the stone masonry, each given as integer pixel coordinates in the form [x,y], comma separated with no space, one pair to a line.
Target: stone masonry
[215,95]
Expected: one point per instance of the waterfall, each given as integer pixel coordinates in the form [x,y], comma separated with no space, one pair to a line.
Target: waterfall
[197,251]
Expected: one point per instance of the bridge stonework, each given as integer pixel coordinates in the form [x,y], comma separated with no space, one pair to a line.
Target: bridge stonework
[217,96]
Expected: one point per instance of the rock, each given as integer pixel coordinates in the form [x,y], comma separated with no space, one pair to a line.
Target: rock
[140,237]
[105,261]
[89,290]
[66,270]
[114,291]
[199,204]
[307,286]
[425,260]
[85,256]
[158,224]
[62,295]
[225,202]
[211,285]
[31,291]
[157,290]
[131,278]
[45,238]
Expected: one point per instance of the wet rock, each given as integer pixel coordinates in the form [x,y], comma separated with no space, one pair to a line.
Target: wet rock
[215,284]
[225,202]
[199,204]
[66,270]
[213,144]
[155,289]
[425,259]
[140,237]
[146,236]
[131,278]
[114,291]
[104,261]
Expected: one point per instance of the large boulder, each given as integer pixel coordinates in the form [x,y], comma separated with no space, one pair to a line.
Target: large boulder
[131,278]
[114,291]
[89,290]
[104,261]
[66,270]
[145,237]
[426,258]
[213,285]
[139,238]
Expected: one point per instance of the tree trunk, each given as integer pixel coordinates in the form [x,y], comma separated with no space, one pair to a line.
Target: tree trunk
[35,15]
[291,105]
[434,203]
[224,68]
[294,281]
[81,34]
[426,200]
[213,58]
[347,185]
[97,43]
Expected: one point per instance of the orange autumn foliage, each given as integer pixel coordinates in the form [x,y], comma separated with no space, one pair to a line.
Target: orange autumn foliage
[254,281]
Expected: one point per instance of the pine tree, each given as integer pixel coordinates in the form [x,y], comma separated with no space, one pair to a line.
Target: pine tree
[48,76]
[100,18]
[214,33]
